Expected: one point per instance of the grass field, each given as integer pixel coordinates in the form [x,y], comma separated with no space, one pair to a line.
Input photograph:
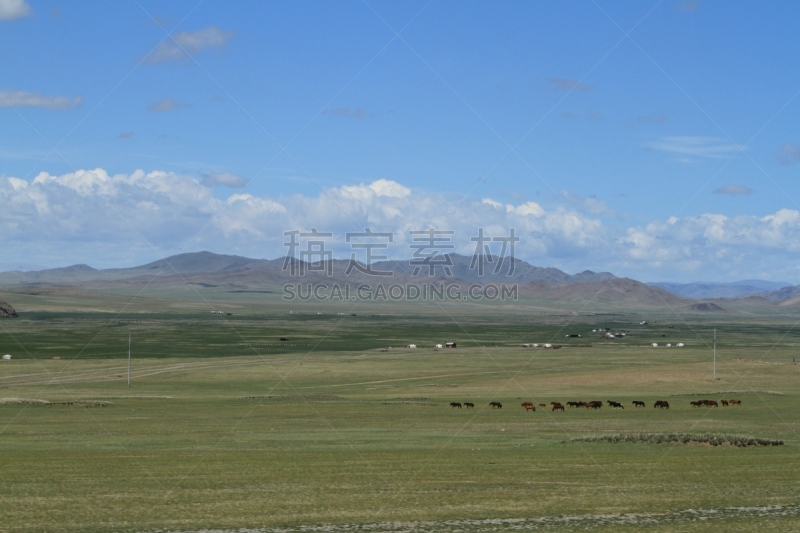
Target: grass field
[227,427]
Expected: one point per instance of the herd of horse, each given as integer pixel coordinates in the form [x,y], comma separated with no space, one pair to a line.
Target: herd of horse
[597,404]
[713,403]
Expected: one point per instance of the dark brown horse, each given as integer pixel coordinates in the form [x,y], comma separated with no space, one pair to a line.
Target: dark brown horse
[469,405]
[661,404]
[557,406]
[495,405]
[637,403]
[735,402]
[453,405]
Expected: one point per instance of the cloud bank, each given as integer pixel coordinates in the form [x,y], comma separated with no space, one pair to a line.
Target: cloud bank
[15,9]
[117,220]
[28,99]
[185,44]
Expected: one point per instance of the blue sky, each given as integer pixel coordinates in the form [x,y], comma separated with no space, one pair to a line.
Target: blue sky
[656,140]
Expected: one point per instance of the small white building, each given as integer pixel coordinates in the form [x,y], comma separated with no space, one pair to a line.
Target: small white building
[437,347]
[548,345]
[7,357]
[654,345]
[679,345]
[526,345]
[669,345]
[411,346]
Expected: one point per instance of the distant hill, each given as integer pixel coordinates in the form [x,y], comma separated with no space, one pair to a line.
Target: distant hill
[705,306]
[521,272]
[243,274]
[735,289]
[616,290]
[782,295]
[218,268]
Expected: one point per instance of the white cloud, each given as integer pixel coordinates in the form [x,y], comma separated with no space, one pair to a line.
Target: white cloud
[225,179]
[93,217]
[733,190]
[389,188]
[28,99]
[695,146]
[189,43]
[14,9]
[167,104]
[788,154]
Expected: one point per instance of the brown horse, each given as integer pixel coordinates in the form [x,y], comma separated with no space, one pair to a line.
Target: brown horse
[469,405]
[557,406]
[735,402]
[724,403]
[495,405]
[542,405]
[453,405]
[637,403]
[529,406]
[597,404]
[661,404]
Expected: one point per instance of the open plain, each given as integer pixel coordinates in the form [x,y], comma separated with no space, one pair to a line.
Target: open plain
[225,426]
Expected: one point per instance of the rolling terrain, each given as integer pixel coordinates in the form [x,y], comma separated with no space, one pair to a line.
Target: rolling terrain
[212,274]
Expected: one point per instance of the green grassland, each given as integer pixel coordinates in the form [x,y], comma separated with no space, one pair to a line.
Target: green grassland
[227,427]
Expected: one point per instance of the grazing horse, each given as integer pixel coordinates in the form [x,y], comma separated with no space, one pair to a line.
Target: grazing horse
[724,403]
[661,404]
[469,405]
[453,405]
[495,405]
[696,403]
[574,404]
[557,406]
[542,405]
[735,402]
[637,403]
[597,404]
[529,406]
[615,405]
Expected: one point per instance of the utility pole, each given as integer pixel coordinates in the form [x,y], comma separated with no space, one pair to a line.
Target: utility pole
[715,354]
[129,360]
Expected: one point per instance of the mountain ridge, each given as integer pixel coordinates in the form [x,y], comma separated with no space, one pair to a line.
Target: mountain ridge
[220,264]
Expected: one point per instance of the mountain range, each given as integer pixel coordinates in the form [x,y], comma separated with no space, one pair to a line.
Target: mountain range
[737,289]
[236,272]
